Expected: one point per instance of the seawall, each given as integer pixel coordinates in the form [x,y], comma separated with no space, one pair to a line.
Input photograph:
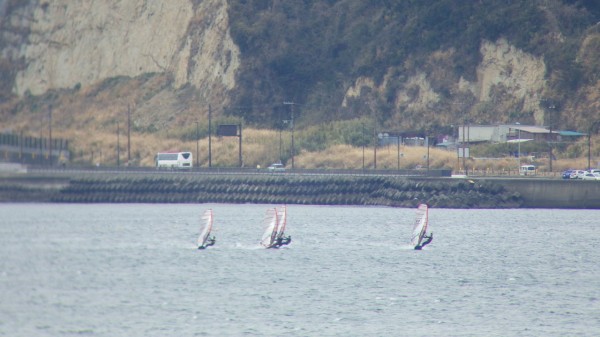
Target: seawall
[554,193]
[395,191]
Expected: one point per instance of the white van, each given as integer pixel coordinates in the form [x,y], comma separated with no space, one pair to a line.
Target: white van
[527,170]
[174,160]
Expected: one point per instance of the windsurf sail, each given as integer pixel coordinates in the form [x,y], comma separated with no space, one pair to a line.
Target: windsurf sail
[420,226]
[271,226]
[206,228]
[281,218]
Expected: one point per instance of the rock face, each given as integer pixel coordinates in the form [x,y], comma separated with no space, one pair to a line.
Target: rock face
[81,43]
[505,74]
[521,74]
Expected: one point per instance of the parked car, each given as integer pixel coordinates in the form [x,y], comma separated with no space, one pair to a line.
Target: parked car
[577,174]
[589,176]
[567,174]
[276,167]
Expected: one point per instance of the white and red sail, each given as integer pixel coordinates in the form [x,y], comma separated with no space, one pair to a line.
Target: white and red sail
[206,227]
[420,226]
[281,219]
[271,224]
[274,223]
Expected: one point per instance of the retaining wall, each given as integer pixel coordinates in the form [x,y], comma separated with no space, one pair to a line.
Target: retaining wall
[467,192]
[555,193]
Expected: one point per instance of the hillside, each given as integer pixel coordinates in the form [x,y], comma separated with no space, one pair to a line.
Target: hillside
[393,65]
[418,65]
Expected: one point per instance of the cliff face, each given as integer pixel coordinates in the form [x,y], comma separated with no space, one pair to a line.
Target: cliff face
[82,43]
[176,55]
[520,74]
[506,77]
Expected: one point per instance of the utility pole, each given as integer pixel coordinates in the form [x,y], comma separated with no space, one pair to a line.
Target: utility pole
[468,145]
[463,148]
[280,153]
[427,139]
[374,147]
[240,146]
[550,143]
[398,148]
[363,146]
[197,145]
[118,145]
[293,149]
[21,147]
[50,134]
[41,140]
[128,135]
[519,153]
[209,136]
[549,110]
[456,142]
[589,139]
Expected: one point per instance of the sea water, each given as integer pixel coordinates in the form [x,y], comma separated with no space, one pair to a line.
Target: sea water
[134,270]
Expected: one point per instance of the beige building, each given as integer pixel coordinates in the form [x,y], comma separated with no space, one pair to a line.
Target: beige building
[505,132]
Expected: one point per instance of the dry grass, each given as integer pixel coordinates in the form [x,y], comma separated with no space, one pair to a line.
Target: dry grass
[260,147]
[349,157]
[161,116]
[89,119]
[93,146]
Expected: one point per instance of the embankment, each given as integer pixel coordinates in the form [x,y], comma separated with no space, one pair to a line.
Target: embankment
[553,193]
[272,189]
[28,188]
[301,189]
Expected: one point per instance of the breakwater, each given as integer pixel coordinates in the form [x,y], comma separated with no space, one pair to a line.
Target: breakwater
[271,189]
[553,193]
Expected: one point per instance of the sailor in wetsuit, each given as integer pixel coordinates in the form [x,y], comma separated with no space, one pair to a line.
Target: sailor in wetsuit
[424,243]
[283,241]
[211,241]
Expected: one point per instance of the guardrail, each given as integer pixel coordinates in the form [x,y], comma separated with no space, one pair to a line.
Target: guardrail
[233,171]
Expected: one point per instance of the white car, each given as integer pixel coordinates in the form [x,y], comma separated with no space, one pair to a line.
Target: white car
[277,167]
[589,176]
[577,174]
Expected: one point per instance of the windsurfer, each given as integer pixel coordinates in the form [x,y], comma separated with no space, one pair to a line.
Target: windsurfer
[209,242]
[428,240]
[282,241]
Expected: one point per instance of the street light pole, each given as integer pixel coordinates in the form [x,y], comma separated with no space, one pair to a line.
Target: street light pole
[241,163]
[293,148]
[589,151]
[519,152]
[363,146]
[551,109]
[128,135]
[398,148]
[292,121]
[50,133]
[592,128]
[550,145]
[463,148]
[197,146]
[209,136]
[118,145]
[375,147]
[427,137]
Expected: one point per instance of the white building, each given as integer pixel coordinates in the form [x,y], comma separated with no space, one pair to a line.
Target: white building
[503,133]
